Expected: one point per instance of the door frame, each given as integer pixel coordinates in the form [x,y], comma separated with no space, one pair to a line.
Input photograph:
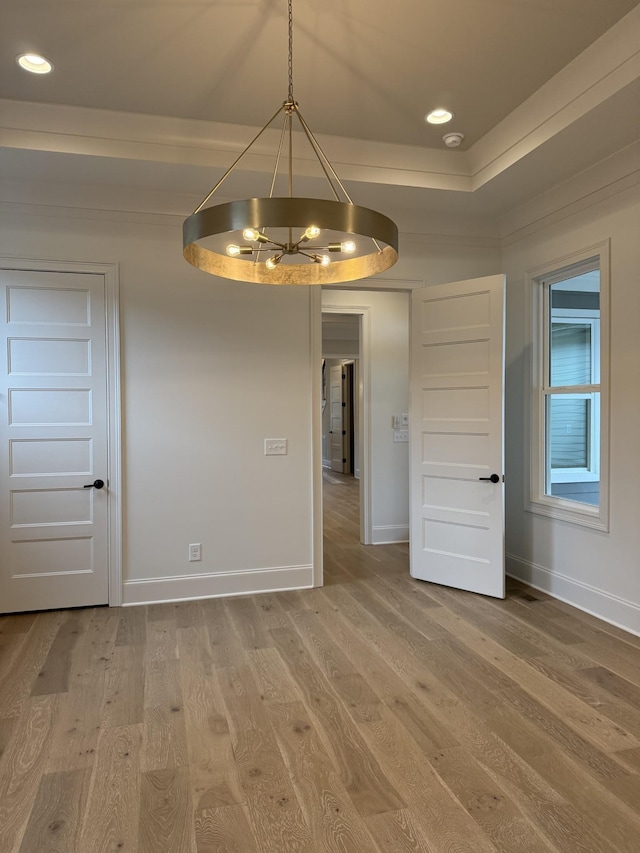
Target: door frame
[114,444]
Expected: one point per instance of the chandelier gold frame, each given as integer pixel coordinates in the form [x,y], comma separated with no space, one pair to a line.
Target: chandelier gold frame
[306,218]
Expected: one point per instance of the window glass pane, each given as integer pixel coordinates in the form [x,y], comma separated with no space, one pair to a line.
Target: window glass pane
[572,441]
[574,356]
[568,432]
[571,354]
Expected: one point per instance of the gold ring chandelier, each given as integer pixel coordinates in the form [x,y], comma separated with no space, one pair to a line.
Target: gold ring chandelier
[286,239]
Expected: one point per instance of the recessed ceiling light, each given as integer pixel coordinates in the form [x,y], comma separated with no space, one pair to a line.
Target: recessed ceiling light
[438,117]
[34,63]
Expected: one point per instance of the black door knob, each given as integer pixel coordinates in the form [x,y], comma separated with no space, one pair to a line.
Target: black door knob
[494,478]
[97,484]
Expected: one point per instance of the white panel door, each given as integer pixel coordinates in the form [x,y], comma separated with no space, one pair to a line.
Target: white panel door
[336,416]
[53,432]
[457,424]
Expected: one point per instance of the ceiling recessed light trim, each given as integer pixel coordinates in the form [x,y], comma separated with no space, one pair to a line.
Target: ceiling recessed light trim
[439,116]
[34,63]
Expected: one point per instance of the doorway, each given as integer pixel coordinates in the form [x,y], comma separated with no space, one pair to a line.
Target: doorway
[341,406]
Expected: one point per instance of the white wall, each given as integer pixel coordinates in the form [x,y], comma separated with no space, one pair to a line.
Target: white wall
[209,370]
[597,571]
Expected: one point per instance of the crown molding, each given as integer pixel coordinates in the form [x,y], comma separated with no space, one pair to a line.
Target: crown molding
[608,178]
[597,74]
[602,70]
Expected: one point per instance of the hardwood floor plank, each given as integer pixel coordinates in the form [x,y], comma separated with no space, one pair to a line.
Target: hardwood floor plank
[326,652]
[16,623]
[272,676]
[164,737]
[334,822]
[276,817]
[244,616]
[55,820]
[222,637]
[19,678]
[166,822]
[162,642]
[224,830]
[10,644]
[212,768]
[22,767]
[487,802]
[112,813]
[584,719]
[439,816]
[602,809]
[7,725]
[397,832]
[132,627]
[75,736]
[123,703]
[361,775]
[242,697]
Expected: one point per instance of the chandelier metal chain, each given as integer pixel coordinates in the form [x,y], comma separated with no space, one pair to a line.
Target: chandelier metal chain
[290,66]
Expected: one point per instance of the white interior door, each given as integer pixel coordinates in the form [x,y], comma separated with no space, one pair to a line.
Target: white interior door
[457,425]
[336,415]
[53,431]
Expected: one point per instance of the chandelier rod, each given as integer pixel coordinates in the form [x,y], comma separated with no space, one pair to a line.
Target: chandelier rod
[237,160]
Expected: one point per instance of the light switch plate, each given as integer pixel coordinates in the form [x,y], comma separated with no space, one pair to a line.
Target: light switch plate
[275,446]
[400,436]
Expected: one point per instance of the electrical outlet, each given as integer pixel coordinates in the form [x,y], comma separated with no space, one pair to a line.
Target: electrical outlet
[275,446]
[195,552]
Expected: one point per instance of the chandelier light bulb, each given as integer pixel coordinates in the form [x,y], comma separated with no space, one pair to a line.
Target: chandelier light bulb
[250,234]
[272,263]
[311,233]
[349,247]
[233,250]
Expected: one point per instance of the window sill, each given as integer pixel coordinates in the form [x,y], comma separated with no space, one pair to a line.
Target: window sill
[571,512]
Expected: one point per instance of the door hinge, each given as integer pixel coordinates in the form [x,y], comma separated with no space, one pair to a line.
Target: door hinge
[344,461]
[343,405]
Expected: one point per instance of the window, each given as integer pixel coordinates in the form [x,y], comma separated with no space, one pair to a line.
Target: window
[569,412]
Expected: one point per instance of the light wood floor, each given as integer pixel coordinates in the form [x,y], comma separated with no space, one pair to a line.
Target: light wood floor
[376,714]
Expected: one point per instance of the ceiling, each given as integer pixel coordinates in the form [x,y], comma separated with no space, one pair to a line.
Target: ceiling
[540,88]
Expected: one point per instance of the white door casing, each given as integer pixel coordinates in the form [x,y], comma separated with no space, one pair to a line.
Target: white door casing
[457,426]
[59,430]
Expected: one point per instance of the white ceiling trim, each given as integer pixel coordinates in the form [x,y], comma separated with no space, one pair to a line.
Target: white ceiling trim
[602,70]
[598,73]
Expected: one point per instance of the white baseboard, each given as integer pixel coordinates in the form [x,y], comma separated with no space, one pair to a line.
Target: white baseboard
[186,587]
[387,534]
[610,608]
[326,463]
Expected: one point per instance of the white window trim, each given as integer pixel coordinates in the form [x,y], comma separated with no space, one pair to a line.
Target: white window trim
[536,500]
